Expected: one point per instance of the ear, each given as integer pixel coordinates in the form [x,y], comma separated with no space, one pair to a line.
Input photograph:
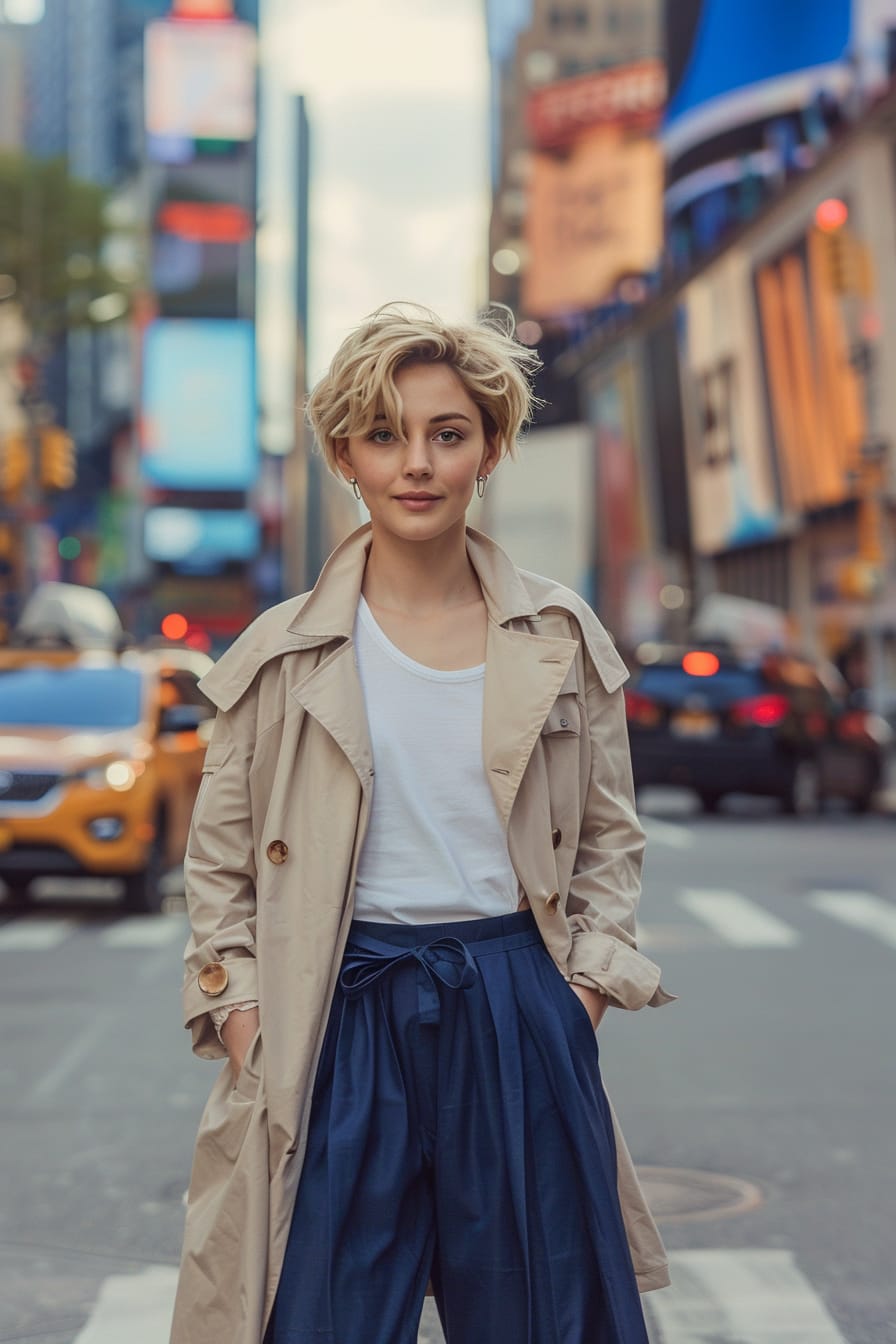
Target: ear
[492,454]
[343,458]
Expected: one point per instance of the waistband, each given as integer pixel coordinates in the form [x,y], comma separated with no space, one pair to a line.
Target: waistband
[446,953]
[493,934]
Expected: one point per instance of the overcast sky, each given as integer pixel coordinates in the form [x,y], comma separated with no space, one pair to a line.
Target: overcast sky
[397,99]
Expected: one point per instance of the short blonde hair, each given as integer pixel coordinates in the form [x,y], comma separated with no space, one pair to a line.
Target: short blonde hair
[360,382]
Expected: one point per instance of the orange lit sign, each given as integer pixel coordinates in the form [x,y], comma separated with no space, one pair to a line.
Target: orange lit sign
[831,215]
[175,626]
[202,222]
[699,664]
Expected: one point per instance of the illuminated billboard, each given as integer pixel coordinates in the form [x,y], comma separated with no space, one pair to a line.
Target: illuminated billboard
[757,92]
[200,80]
[815,395]
[593,216]
[198,415]
[200,541]
[731,479]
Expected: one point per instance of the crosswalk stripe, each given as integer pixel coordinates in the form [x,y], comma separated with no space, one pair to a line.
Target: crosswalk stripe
[716,1297]
[738,920]
[135,1307]
[139,1307]
[144,931]
[668,833]
[860,910]
[35,935]
[745,1297]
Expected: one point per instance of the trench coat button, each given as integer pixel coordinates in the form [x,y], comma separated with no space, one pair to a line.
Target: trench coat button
[556,836]
[564,723]
[213,979]
[552,904]
[277,851]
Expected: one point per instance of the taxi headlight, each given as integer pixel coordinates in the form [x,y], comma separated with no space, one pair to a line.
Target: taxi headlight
[117,775]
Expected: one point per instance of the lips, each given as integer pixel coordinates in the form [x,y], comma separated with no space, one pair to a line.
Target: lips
[418,498]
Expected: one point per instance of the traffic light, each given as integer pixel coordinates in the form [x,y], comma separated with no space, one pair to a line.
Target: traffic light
[845,258]
[14,464]
[860,580]
[57,459]
[836,248]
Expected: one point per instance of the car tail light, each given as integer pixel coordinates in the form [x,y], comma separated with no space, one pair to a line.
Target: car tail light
[641,709]
[763,711]
[853,725]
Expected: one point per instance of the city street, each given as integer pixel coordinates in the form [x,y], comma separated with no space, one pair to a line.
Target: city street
[775,1069]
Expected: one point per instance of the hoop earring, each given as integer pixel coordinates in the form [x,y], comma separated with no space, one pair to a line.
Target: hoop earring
[481,483]
[353,482]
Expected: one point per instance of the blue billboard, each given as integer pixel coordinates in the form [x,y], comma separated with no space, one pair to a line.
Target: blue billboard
[199,413]
[200,541]
[728,45]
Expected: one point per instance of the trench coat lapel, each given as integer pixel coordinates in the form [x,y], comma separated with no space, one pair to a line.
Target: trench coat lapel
[523,677]
[332,694]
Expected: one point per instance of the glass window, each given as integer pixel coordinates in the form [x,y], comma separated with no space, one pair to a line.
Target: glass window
[70,697]
[670,684]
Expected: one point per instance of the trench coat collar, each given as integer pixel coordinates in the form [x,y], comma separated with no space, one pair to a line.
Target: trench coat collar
[330,608]
[524,672]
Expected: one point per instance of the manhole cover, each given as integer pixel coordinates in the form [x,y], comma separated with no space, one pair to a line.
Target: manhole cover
[678,1195]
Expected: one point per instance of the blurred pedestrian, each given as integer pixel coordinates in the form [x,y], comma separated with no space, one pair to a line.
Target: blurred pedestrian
[411,877]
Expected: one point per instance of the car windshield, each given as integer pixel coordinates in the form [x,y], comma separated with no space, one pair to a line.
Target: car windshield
[70,697]
[670,684]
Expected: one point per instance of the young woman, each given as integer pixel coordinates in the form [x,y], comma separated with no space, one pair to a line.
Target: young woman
[412,877]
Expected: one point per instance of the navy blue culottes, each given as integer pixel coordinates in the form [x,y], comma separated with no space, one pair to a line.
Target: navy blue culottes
[459,1131]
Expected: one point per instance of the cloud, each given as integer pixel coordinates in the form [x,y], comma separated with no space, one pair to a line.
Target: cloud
[397,101]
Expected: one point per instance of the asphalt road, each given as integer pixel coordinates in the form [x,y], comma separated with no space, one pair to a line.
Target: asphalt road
[775,1068]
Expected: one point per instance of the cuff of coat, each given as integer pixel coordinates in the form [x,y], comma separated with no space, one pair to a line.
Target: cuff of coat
[217,984]
[626,976]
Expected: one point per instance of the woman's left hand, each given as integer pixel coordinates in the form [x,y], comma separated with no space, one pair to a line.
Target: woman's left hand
[595,1003]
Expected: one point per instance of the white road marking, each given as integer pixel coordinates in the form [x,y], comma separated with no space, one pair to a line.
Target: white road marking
[737,919]
[139,1308]
[668,833]
[860,910]
[746,1297]
[144,931]
[135,1307]
[35,935]
[75,1051]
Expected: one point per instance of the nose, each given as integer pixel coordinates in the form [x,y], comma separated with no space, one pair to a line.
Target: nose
[417,459]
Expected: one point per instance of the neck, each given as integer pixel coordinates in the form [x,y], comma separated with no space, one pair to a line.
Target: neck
[419,578]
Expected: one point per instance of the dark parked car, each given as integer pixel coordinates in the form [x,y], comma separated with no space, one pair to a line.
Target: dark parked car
[779,726]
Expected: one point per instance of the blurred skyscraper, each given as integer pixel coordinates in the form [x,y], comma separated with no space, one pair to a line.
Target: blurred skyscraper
[576,73]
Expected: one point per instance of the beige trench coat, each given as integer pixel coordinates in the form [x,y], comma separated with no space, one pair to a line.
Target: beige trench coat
[275,838]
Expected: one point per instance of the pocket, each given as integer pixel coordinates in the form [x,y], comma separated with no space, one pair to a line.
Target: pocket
[215,757]
[579,1007]
[249,1076]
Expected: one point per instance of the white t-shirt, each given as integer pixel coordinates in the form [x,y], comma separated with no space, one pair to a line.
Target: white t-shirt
[435,848]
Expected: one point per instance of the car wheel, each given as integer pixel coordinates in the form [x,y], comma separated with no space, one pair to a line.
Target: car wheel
[143,890]
[803,796]
[863,802]
[710,801]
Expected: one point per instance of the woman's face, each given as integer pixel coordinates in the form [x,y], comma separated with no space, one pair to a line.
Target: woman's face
[419,489]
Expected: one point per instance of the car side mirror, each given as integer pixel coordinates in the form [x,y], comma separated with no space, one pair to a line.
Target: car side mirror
[181,718]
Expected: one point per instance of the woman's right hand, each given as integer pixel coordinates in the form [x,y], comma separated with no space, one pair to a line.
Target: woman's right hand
[236,1034]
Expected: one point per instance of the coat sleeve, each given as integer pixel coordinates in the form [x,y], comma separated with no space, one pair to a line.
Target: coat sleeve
[219,871]
[606,883]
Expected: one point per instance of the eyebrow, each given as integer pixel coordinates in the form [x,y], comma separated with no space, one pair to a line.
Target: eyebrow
[437,419]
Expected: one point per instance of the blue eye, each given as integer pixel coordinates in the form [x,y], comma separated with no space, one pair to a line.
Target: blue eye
[375,436]
[455,436]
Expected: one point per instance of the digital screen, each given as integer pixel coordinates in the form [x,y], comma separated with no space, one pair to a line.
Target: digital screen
[198,414]
[200,81]
[200,541]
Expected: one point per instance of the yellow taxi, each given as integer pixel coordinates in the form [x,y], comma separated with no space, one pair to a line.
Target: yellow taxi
[100,759]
